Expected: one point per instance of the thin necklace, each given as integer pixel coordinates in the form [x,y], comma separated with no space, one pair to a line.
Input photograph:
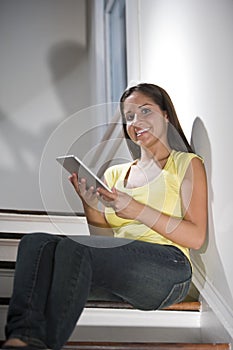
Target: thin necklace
[141,164]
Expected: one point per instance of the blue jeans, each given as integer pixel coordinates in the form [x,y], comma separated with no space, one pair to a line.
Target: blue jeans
[55,276]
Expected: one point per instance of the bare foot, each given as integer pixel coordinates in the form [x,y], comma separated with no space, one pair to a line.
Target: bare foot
[15,342]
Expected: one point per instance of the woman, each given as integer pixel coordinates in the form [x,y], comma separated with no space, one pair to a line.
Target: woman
[139,248]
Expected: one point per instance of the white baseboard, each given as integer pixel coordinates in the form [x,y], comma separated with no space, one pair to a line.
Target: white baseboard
[217,317]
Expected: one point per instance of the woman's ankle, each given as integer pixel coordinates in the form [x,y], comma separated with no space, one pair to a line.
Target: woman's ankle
[15,342]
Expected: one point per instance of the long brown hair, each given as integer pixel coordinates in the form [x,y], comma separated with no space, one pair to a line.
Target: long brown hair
[176,137]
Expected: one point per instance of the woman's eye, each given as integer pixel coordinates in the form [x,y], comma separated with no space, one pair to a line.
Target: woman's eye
[129,117]
[145,111]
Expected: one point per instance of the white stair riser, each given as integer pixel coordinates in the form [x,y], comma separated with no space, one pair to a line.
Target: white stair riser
[132,325]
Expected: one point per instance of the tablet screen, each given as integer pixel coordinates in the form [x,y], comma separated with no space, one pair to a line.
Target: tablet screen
[74,165]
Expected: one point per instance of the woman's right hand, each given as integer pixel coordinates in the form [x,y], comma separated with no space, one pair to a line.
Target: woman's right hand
[87,196]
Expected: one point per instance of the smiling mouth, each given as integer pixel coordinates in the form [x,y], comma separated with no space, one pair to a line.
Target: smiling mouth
[141,131]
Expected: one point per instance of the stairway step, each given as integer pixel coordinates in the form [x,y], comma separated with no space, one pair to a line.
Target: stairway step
[182,306]
[143,346]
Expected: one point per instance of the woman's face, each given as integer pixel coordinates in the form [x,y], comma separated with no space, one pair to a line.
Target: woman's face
[146,123]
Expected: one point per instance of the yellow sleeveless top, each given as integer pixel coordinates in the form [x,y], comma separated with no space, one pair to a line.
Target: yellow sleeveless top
[162,193]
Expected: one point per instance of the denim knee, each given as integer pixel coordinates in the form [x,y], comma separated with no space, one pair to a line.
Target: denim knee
[36,238]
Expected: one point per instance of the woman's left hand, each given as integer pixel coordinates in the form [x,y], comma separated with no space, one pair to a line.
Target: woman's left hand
[124,205]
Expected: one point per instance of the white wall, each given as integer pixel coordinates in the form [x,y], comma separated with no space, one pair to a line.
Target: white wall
[52,95]
[186,47]
[45,78]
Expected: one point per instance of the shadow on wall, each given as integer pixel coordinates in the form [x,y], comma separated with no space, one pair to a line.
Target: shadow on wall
[20,154]
[67,62]
[208,258]
[21,149]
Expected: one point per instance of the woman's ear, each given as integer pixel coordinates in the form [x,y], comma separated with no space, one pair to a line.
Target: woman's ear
[165,115]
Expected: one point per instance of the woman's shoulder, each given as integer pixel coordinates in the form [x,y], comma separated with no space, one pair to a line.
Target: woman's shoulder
[181,156]
[181,161]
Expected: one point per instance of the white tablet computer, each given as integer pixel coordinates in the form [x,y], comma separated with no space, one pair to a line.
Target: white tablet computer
[74,165]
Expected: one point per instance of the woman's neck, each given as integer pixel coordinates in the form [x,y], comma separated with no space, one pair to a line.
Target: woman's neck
[159,156]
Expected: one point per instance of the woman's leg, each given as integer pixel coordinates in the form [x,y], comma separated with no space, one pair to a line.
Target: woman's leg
[74,262]
[69,290]
[58,282]
[33,273]
[52,282]
[148,276]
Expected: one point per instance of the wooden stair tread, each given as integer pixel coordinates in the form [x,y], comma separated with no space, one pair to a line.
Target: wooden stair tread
[144,346]
[183,306]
